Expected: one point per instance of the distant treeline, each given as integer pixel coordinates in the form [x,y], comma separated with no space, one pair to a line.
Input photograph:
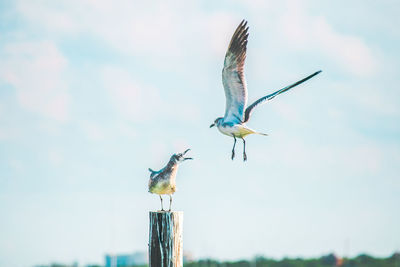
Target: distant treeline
[330,260]
[324,261]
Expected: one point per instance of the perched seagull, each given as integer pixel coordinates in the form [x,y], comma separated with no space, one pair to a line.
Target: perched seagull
[234,121]
[163,182]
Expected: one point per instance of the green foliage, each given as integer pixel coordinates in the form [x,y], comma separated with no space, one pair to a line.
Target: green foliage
[329,260]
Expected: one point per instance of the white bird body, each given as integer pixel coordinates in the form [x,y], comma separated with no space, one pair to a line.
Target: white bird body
[237,113]
[236,130]
[163,182]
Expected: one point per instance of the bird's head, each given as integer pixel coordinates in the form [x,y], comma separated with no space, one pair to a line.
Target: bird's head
[180,157]
[217,120]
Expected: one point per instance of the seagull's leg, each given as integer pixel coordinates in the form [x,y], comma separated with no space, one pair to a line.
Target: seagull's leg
[244,150]
[162,208]
[233,149]
[170,202]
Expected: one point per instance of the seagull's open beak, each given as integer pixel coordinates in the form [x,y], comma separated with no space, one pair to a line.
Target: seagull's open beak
[212,125]
[185,153]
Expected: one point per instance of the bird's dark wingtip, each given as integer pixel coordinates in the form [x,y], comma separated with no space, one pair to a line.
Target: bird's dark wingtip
[315,73]
[243,23]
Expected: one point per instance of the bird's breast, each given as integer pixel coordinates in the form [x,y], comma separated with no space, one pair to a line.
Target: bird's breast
[237,130]
[227,129]
[164,183]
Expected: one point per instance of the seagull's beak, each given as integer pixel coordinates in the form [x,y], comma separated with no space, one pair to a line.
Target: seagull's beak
[185,153]
[212,125]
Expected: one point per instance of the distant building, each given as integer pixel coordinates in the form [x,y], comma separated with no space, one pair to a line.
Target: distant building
[187,257]
[332,259]
[138,258]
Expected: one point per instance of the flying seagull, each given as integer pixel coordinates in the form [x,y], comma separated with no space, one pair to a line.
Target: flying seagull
[163,182]
[236,114]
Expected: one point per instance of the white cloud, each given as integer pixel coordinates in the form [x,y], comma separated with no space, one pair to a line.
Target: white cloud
[374,99]
[156,29]
[362,157]
[135,27]
[43,12]
[306,31]
[136,101]
[218,28]
[131,27]
[93,131]
[371,97]
[288,112]
[35,70]
[126,130]
[352,53]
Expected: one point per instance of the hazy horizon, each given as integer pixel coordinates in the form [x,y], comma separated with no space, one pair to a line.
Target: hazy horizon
[93,93]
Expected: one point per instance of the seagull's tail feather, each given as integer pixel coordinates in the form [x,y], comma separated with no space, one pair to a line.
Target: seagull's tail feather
[152,171]
[246,131]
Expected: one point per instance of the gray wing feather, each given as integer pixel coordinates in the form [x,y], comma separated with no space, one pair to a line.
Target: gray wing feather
[153,173]
[233,75]
[250,108]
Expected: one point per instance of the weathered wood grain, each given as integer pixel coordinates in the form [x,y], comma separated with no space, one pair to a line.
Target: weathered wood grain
[165,239]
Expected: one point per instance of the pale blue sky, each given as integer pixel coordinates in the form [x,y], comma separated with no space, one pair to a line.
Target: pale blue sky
[92,93]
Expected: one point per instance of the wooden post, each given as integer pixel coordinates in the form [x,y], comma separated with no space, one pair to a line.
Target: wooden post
[165,239]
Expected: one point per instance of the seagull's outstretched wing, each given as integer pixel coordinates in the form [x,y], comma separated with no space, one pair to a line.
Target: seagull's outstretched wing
[233,76]
[250,108]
